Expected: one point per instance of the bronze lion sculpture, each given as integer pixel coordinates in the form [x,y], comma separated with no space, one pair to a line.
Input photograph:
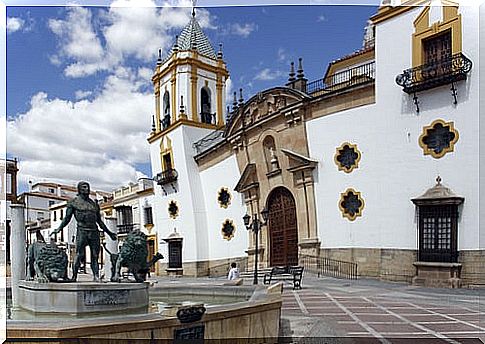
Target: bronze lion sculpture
[46,263]
[133,255]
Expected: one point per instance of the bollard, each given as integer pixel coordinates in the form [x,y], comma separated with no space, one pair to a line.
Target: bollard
[18,247]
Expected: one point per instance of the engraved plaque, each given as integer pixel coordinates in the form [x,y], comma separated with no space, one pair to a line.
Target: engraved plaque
[105,297]
[190,333]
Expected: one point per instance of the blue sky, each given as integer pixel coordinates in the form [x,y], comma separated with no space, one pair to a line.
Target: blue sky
[79,96]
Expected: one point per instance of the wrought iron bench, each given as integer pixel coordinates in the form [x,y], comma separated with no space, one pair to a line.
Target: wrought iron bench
[285,273]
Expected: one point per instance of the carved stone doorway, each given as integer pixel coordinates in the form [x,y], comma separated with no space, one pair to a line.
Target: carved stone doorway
[282,227]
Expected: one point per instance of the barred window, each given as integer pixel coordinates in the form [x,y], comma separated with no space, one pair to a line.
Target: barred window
[438,233]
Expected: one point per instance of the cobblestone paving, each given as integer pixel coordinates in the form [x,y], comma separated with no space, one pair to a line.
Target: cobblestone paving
[374,314]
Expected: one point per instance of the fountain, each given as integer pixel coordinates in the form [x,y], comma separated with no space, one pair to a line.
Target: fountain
[96,311]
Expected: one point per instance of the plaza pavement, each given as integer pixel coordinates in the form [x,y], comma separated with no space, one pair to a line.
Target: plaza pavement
[329,310]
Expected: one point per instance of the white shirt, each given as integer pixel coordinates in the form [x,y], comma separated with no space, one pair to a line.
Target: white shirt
[233,274]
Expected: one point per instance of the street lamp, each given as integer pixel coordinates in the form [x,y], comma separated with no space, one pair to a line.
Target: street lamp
[255,226]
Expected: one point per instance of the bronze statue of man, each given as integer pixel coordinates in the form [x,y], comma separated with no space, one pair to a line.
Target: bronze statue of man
[88,217]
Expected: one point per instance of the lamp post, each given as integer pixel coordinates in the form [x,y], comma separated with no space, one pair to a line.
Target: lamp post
[255,226]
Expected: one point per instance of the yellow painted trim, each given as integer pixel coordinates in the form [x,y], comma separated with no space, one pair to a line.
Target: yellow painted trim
[166,148]
[226,237]
[173,216]
[219,108]
[421,22]
[193,88]
[180,122]
[154,237]
[225,206]
[342,209]
[427,150]
[145,192]
[219,69]
[342,167]
[157,105]
[173,107]
[347,62]
[423,30]
[388,12]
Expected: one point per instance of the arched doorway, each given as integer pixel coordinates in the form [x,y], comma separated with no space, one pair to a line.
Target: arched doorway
[282,227]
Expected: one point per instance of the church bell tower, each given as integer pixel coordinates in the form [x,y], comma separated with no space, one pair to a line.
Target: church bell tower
[189,86]
[190,83]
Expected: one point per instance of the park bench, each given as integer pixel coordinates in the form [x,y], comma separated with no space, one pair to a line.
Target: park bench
[285,273]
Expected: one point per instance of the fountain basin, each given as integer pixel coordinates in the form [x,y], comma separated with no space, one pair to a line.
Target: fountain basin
[256,318]
[85,297]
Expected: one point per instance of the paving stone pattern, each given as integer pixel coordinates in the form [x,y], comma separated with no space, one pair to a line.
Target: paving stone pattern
[338,311]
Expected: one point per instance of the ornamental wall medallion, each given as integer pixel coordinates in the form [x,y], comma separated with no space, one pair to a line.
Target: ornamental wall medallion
[224,197]
[173,209]
[228,229]
[347,157]
[438,138]
[351,204]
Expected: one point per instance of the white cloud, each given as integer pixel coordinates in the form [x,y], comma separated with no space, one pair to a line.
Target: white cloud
[14,24]
[229,93]
[243,30]
[98,140]
[321,18]
[78,38]
[127,29]
[282,56]
[268,74]
[80,94]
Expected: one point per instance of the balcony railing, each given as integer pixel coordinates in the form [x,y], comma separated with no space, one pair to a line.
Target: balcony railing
[340,81]
[127,228]
[167,176]
[430,75]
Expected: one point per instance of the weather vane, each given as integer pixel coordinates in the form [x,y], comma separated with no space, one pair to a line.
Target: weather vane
[194,3]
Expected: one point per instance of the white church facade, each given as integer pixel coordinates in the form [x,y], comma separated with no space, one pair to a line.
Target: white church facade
[375,164]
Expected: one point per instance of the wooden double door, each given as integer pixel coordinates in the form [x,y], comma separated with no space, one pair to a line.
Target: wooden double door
[282,227]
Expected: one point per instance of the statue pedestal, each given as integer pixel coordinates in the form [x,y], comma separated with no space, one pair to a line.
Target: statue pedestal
[84,297]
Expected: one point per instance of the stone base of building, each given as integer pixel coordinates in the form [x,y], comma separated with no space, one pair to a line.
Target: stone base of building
[174,271]
[473,268]
[437,275]
[82,297]
[212,268]
[310,247]
[386,264]
[398,264]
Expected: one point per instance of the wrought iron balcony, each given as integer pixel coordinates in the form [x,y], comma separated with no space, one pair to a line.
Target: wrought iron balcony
[340,81]
[127,228]
[167,176]
[435,74]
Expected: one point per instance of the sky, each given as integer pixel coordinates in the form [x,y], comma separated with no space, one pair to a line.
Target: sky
[79,95]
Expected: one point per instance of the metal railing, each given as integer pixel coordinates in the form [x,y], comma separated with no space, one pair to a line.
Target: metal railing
[329,267]
[339,81]
[208,141]
[167,176]
[127,228]
[435,74]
